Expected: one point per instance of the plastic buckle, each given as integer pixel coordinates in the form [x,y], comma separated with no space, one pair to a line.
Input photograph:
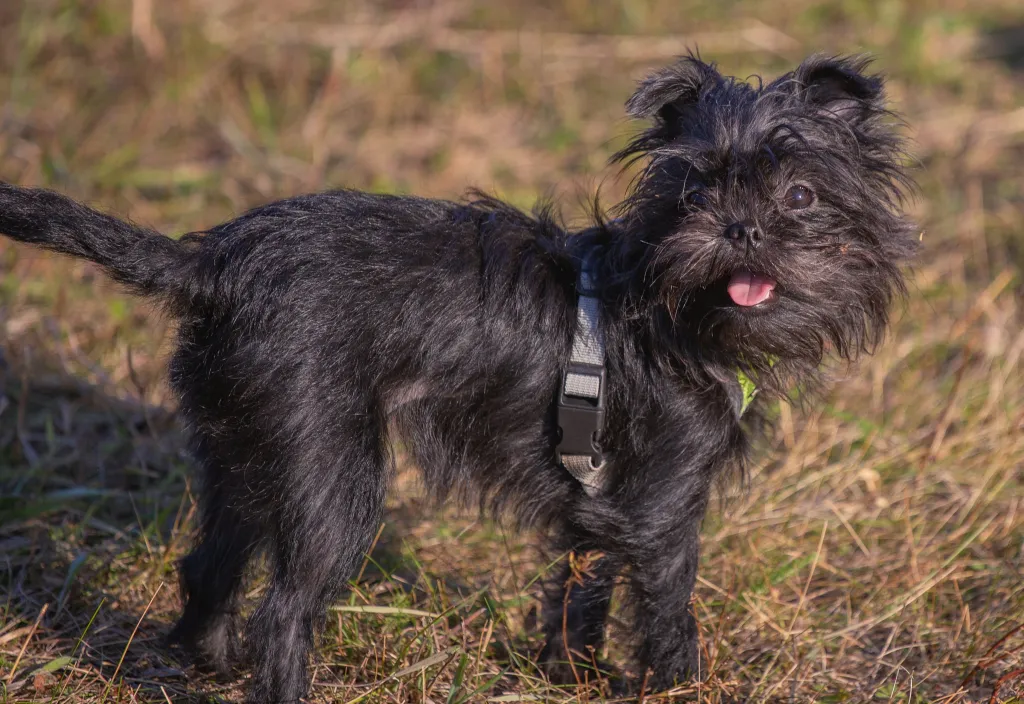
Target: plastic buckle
[581,418]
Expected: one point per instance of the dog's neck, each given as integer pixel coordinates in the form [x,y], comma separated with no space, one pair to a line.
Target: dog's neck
[642,316]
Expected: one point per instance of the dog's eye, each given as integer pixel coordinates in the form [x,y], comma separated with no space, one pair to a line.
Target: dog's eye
[696,200]
[799,197]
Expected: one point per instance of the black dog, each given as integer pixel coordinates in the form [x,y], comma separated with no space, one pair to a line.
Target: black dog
[764,234]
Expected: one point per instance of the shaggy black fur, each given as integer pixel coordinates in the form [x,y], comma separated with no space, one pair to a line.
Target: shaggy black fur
[314,329]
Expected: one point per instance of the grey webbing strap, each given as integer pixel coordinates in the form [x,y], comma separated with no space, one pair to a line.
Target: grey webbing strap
[582,468]
[581,398]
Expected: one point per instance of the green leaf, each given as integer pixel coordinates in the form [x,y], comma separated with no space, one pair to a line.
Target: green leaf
[54,665]
[749,390]
[486,686]
[460,672]
[65,591]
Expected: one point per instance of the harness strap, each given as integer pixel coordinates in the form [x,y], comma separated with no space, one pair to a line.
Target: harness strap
[581,398]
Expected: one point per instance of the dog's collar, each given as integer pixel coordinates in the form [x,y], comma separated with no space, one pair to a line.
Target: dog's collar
[581,395]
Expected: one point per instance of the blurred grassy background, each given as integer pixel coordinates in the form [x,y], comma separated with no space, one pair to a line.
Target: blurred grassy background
[878,554]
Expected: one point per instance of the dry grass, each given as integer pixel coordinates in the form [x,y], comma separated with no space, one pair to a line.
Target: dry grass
[878,554]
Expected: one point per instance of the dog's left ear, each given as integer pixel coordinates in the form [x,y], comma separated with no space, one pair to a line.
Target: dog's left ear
[839,86]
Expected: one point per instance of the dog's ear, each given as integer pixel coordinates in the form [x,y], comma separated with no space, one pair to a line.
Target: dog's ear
[668,93]
[839,86]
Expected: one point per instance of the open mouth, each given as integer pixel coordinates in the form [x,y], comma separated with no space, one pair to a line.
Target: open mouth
[748,289]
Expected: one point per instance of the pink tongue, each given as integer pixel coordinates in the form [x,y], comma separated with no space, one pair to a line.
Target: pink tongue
[747,289]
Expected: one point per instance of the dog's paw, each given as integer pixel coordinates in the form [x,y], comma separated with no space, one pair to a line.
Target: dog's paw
[680,664]
[666,679]
[217,650]
[579,669]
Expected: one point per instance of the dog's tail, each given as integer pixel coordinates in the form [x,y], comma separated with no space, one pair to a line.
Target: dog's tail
[147,262]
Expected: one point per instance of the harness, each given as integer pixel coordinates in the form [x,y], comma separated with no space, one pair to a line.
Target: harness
[580,407]
[581,396]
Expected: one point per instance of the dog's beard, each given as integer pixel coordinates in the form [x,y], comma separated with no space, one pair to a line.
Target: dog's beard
[777,315]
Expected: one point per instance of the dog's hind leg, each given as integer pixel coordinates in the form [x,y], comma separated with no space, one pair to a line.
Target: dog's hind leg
[212,576]
[330,507]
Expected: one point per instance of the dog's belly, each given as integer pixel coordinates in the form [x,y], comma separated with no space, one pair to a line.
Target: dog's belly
[492,450]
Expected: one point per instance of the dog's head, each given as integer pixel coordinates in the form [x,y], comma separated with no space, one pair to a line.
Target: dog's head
[768,218]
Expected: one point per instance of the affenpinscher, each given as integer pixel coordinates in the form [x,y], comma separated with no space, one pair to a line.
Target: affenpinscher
[591,383]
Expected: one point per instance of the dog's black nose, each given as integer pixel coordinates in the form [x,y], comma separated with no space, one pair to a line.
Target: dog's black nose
[743,234]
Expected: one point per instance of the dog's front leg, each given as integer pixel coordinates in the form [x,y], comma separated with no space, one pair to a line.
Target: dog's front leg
[662,576]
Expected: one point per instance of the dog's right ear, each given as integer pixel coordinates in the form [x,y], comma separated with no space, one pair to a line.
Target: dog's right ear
[667,97]
[667,94]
